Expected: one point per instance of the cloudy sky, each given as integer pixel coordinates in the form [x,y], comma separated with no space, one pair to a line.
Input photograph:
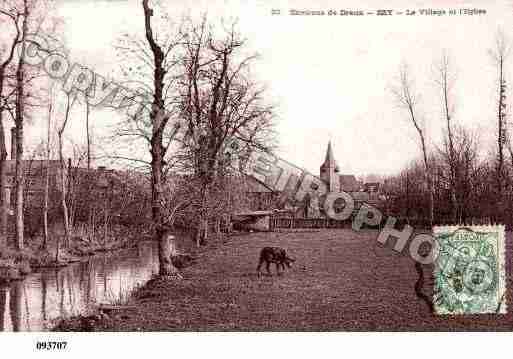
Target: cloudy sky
[330,75]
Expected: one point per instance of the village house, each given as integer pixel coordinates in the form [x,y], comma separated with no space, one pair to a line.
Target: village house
[101,179]
[34,175]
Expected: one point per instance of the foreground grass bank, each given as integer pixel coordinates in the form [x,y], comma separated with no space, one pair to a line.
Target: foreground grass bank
[341,280]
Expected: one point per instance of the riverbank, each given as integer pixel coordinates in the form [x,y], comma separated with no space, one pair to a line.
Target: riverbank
[341,280]
[15,265]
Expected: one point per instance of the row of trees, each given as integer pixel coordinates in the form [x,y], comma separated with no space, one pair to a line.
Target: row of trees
[455,181]
[26,92]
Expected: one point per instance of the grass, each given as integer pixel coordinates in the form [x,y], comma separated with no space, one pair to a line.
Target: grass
[341,280]
[14,264]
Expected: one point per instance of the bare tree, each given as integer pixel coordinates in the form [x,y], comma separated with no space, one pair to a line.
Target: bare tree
[499,56]
[25,16]
[444,79]
[47,174]
[19,176]
[32,14]
[152,69]
[220,103]
[408,100]
[70,101]
[159,120]
[88,135]
[13,15]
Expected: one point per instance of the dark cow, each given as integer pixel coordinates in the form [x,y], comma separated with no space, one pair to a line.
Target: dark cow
[275,255]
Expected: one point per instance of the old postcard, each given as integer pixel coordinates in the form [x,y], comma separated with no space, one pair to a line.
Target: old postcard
[254,166]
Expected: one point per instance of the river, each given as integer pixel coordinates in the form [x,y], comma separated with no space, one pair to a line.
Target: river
[41,299]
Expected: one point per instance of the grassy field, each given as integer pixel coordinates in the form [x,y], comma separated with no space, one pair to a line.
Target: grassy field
[341,281]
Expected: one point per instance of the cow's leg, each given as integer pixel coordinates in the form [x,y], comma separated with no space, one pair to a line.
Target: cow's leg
[259,265]
[277,268]
[268,267]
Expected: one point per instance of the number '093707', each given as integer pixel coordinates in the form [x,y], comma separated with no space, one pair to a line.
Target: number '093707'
[51,345]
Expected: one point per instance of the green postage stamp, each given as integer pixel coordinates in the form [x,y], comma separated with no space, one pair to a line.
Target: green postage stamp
[470,273]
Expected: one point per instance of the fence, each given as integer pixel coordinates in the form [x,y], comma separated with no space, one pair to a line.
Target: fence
[307,223]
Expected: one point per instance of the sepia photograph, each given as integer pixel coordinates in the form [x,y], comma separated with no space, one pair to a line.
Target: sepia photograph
[240,168]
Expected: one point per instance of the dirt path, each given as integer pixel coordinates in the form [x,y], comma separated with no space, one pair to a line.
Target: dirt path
[341,280]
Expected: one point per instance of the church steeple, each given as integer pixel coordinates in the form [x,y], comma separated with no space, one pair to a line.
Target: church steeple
[330,159]
[329,170]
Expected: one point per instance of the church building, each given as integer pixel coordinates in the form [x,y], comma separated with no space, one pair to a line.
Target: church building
[329,174]
[264,201]
[264,198]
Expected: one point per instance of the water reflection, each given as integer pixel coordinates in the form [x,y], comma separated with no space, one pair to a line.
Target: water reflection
[35,303]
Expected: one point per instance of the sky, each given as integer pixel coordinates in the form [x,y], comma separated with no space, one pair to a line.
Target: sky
[330,75]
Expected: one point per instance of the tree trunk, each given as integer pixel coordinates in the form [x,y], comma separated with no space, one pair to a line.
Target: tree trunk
[44,291]
[429,180]
[63,193]
[3,307]
[431,203]
[105,218]
[19,118]
[218,226]
[19,184]
[159,122]
[198,234]
[3,188]
[88,137]
[406,98]
[92,225]
[3,151]
[57,248]
[70,199]
[47,181]
[62,165]
[15,304]
[167,249]
[501,141]
[45,208]
[204,238]
[156,188]
[202,234]
[3,181]
[501,135]
[228,224]
[453,163]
